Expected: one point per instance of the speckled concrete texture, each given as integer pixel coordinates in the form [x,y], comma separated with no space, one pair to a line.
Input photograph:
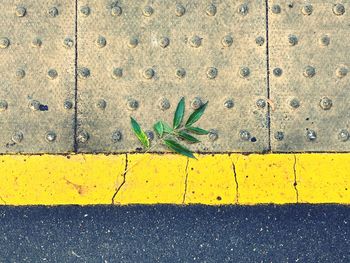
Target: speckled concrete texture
[309,64]
[275,74]
[175,234]
[37,54]
[152,53]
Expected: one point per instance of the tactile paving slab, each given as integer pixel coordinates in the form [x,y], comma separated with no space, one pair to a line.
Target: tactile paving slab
[138,58]
[37,57]
[309,85]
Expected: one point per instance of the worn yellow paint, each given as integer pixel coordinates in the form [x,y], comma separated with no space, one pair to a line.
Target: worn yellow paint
[211,180]
[152,178]
[54,179]
[266,179]
[324,181]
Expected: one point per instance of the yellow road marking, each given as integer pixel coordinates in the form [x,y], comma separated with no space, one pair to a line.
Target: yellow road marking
[326,181]
[85,179]
[209,173]
[152,179]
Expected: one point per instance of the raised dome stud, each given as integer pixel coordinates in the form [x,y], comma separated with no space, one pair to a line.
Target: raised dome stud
[307,9]
[260,41]
[341,72]
[85,10]
[17,137]
[20,73]
[53,11]
[309,72]
[195,41]
[276,9]
[101,41]
[116,10]
[68,42]
[84,73]
[117,73]
[101,104]
[339,9]
[211,10]
[147,11]
[180,10]
[229,103]
[52,74]
[279,136]
[244,135]
[277,72]
[213,135]
[50,136]
[261,103]
[132,104]
[164,42]
[20,11]
[180,73]
[227,41]
[196,103]
[148,73]
[292,40]
[343,135]
[117,136]
[244,72]
[212,73]
[311,135]
[83,137]
[243,9]
[326,103]
[163,104]
[4,42]
[133,42]
[294,103]
[3,105]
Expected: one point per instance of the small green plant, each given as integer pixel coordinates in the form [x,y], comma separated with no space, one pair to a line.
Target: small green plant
[172,136]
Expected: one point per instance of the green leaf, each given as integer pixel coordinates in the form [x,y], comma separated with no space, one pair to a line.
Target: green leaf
[197,130]
[195,116]
[166,127]
[140,134]
[188,137]
[179,113]
[178,148]
[159,128]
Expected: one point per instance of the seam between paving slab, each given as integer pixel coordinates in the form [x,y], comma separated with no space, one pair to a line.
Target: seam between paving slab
[268,74]
[76,80]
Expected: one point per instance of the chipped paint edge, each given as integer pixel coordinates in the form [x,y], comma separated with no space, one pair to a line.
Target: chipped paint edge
[213,179]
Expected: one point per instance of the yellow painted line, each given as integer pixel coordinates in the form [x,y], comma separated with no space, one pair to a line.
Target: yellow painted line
[87,179]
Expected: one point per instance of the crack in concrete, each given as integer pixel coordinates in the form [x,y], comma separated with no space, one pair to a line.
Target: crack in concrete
[124,179]
[295,177]
[236,180]
[186,180]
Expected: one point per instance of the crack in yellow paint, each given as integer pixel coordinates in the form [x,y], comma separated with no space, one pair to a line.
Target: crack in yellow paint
[236,181]
[186,182]
[295,184]
[120,185]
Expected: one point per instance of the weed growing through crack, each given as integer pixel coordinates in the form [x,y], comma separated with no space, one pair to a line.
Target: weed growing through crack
[172,136]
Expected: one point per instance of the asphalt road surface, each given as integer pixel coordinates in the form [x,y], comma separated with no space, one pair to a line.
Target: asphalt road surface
[298,233]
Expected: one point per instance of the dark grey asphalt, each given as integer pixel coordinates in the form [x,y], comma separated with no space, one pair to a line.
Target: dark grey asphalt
[175,234]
